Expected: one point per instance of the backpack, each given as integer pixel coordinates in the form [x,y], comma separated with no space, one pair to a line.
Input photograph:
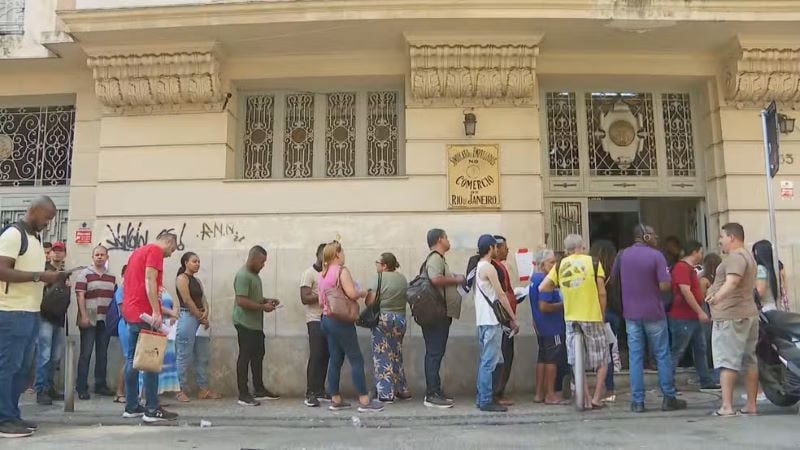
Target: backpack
[113,317]
[427,305]
[55,301]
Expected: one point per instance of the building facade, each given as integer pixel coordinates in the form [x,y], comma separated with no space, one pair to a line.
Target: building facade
[290,123]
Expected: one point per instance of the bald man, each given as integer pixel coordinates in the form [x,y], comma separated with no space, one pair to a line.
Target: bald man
[22,279]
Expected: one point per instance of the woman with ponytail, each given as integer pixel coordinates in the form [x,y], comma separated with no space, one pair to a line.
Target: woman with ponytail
[192,348]
[342,338]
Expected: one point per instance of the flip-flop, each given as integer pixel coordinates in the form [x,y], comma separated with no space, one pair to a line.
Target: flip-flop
[119,399]
[742,412]
[562,402]
[716,413]
[596,406]
[538,401]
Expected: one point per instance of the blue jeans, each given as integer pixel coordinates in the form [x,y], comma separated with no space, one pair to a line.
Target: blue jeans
[95,338]
[50,350]
[343,341]
[490,339]
[657,334]
[687,333]
[190,348]
[132,375]
[19,331]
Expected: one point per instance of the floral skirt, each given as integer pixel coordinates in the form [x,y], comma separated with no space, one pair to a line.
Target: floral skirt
[387,355]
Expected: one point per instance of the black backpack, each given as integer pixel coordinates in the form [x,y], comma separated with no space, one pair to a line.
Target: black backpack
[427,305]
[55,301]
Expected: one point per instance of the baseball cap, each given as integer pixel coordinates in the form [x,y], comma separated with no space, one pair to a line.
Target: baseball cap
[59,246]
[485,241]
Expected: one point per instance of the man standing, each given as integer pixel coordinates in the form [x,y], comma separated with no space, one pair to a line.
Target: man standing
[22,278]
[687,317]
[583,288]
[503,372]
[94,289]
[248,318]
[735,330]
[143,283]
[53,314]
[642,272]
[487,291]
[317,368]
[436,335]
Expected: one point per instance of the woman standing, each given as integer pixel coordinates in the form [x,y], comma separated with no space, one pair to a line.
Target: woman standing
[122,335]
[168,378]
[193,315]
[342,339]
[766,276]
[387,337]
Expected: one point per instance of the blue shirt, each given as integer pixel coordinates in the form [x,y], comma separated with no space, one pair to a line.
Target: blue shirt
[547,324]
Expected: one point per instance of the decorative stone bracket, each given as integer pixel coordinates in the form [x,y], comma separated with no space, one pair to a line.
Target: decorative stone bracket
[465,74]
[756,76]
[183,81]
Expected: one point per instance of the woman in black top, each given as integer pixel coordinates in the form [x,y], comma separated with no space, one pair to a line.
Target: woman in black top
[193,320]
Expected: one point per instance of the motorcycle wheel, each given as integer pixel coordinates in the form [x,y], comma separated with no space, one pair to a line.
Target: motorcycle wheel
[774,391]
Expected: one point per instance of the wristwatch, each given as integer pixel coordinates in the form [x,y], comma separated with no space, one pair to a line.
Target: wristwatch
[37,276]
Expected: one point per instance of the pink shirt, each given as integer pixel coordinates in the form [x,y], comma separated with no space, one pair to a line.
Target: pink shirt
[326,282]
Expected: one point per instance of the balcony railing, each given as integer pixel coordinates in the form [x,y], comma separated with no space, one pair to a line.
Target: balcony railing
[12,17]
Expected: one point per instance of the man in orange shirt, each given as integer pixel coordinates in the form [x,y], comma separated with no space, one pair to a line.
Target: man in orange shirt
[503,371]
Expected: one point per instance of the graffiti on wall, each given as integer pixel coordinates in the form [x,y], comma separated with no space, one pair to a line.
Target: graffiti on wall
[215,230]
[128,237]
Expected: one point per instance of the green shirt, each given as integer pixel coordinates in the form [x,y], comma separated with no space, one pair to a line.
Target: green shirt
[247,284]
[393,291]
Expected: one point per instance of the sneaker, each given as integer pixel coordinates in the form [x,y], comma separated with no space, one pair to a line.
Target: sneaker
[132,414]
[493,407]
[43,399]
[266,395]
[338,406]
[248,400]
[14,429]
[84,395]
[159,415]
[33,426]
[637,407]
[437,401]
[445,396]
[311,401]
[713,387]
[104,391]
[55,395]
[324,397]
[370,407]
[672,404]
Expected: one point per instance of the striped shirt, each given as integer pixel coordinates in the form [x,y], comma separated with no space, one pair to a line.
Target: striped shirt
[98,289]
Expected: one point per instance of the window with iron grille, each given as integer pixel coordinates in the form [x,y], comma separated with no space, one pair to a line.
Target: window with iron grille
[56,230]
[36,145]
[12,17]
[301,135]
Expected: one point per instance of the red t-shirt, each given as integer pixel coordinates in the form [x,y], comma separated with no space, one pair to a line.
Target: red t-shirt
[683,273]
[134,292]
[505,282]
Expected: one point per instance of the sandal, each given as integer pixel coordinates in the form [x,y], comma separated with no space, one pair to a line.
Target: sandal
[596,406]
[716,413]
[742,412]
[561,402]
[182,397]
[208,394]
[119,399]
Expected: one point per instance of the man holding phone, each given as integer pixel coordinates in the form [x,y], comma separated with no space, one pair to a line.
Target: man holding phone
[248,318]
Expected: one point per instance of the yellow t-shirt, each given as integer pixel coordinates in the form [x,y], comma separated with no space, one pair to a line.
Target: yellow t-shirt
[22,296]
[576,280]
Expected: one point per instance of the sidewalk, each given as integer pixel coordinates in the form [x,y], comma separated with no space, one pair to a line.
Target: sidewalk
[293,413]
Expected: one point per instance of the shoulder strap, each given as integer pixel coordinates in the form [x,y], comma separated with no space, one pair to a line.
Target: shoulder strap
[424,266]
[23,239]
[377,306]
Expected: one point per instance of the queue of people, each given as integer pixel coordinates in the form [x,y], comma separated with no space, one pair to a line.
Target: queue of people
[578,298]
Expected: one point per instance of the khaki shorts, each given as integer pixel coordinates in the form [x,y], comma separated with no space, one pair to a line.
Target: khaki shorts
[596,346]
[733,343]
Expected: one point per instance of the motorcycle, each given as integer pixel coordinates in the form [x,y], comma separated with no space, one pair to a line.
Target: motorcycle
[778,353]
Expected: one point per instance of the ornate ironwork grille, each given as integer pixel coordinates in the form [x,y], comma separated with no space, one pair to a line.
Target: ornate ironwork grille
[562,134]
[565,218]
[331,135]
[55,231]
[640,106]
[36,145]
[12,17]
[678,135]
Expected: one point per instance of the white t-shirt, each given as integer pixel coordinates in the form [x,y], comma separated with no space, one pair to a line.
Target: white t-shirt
[484,314]
[310,279]
[22,296]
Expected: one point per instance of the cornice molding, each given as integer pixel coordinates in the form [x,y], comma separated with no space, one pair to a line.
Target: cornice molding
[465,74]
[755,76]
[169,82]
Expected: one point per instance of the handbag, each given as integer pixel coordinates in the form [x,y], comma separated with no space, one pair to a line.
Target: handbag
[499,312]
[371,315]
[150,347]
[340,307]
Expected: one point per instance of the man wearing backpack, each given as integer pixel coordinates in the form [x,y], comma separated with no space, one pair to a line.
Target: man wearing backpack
[436,335]
[55,302]
[22,279]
